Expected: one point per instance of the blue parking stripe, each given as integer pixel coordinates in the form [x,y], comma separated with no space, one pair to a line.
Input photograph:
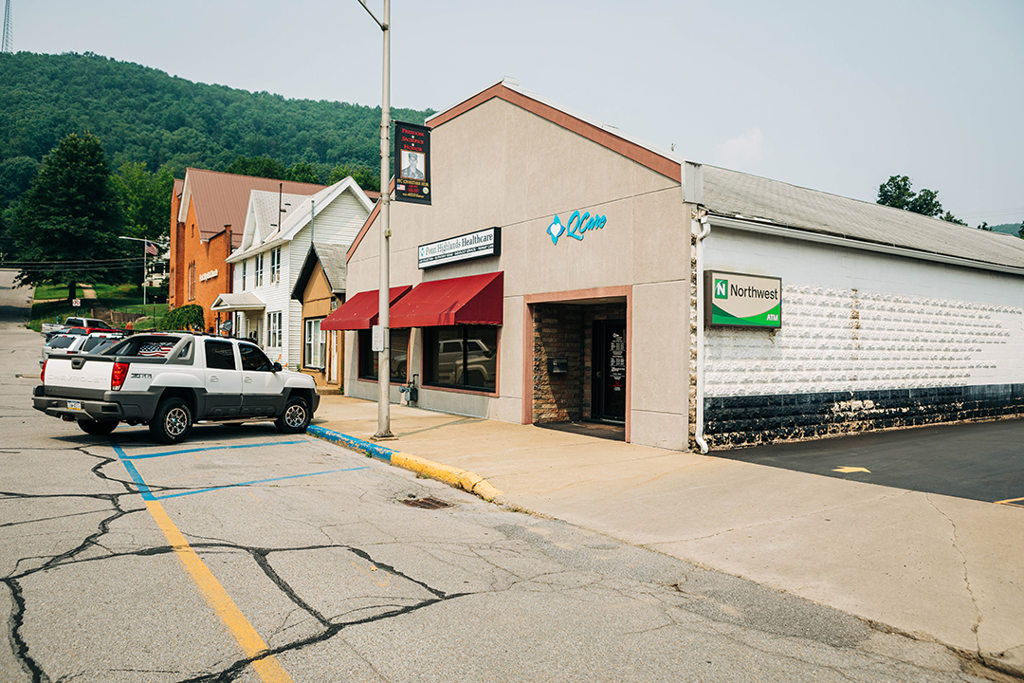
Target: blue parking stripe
[146,456]
[132,472]
[255,481]
[371,450]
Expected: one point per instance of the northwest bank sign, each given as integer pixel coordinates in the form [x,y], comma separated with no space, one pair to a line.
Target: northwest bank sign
[738,300]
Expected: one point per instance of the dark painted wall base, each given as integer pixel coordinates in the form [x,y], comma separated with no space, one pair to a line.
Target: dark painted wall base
[752,420]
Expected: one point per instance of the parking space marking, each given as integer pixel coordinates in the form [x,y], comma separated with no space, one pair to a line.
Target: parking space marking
[1013,502]
[247,637]
[251,642]
[254,481]
[146,456]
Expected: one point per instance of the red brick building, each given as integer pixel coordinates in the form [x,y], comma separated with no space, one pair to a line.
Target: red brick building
[207,218]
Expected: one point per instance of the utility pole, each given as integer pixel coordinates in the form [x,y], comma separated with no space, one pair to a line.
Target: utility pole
[384,293]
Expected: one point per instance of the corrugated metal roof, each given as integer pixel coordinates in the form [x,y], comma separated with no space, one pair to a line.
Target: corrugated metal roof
[736,194]
[222,199]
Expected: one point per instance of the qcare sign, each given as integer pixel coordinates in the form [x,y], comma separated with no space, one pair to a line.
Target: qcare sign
[742,300]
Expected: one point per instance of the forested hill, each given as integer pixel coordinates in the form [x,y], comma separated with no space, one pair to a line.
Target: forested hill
[144,115]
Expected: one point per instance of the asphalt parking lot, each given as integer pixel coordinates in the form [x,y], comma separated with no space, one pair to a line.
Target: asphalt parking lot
[980,461]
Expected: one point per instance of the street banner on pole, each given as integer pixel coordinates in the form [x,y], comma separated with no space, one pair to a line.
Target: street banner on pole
[412,163]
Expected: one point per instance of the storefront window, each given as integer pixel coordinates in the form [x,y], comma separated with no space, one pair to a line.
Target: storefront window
[464,356]
[399,356]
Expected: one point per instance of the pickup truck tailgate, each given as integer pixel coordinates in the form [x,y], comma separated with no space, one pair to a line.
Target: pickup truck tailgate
[89,374]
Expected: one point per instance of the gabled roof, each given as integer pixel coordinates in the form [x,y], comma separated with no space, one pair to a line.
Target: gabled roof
[508,89]
[222,199]
[753,198]
[267,210]
[297,217]
[331,258]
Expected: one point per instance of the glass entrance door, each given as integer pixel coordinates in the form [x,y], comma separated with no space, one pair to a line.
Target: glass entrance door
[609,371]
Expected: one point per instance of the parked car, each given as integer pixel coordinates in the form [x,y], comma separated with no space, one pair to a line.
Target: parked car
[170,381]
[89,325]
[479,366]
[70,344]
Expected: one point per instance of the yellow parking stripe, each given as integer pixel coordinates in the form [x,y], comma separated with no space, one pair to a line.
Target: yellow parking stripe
[1016,502]
[268,668]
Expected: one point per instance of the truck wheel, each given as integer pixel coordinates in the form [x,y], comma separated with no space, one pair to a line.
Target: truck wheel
[172,421]
[295,417]
[97,427]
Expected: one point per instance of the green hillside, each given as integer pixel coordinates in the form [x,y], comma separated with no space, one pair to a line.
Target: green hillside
[144,115]
[1007,229]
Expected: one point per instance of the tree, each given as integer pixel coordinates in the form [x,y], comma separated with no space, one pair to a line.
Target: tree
[1020,233]
[984,226]
[188,317]
[302,172]
[366,177]
[143,197]
[70,218]
[16,176]
[263,167]
[897,192]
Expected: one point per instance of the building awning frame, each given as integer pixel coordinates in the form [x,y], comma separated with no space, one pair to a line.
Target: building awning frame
[360,311]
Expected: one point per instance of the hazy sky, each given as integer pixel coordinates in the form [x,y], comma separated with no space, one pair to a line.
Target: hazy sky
[832,95]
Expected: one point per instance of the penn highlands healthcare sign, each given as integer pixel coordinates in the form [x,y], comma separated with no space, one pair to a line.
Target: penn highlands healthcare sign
[472,245]
[739,300]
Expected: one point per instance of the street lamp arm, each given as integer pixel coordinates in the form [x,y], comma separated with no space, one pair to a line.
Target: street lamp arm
[383,26]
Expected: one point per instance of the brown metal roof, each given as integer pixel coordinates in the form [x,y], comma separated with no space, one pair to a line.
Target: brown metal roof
[221,199]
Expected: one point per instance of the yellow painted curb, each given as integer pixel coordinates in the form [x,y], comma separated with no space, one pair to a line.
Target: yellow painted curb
[467,481]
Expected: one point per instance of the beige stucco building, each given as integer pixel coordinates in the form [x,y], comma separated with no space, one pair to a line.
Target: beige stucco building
[504,159]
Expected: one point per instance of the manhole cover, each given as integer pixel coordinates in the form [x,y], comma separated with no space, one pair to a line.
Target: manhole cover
[428,503]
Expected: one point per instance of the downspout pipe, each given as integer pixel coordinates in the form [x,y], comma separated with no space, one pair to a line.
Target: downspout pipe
[701,219]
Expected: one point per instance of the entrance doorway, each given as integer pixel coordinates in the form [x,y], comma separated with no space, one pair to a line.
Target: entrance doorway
[608,372]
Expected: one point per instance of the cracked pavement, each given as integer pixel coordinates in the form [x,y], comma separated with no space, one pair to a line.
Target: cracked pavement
[343,581]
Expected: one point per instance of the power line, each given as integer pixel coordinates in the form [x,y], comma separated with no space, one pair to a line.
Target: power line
[106,262]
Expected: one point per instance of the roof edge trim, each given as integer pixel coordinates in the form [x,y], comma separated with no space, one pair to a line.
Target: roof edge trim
[645,156]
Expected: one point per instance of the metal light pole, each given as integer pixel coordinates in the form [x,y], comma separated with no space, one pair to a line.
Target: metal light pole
[145,243]
[384,293]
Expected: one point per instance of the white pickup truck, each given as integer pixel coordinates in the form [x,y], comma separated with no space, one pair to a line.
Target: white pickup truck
[172,380]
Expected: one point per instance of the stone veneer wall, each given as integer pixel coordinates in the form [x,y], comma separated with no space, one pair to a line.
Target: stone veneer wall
[557,332]
[848,360]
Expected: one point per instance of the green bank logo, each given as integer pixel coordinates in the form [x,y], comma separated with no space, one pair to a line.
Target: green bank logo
[741,300]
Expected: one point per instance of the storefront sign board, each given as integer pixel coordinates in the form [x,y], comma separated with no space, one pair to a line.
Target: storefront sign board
[472,245]
[742,300]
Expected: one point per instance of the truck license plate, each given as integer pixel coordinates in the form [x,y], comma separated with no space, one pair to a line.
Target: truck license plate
[74,405]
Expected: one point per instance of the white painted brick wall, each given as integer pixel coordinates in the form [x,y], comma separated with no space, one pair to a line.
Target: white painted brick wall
[841,332]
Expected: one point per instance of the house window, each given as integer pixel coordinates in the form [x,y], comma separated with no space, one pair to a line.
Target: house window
[274,329]
[275,265]
[315,346]
[244,263]
[191,280]
[259,270]
[368,359]
[463,356]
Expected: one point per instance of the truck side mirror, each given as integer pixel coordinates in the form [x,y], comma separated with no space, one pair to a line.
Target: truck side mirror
[277,367]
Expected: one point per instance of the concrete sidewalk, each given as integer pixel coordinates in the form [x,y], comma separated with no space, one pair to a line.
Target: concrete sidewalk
[933,566]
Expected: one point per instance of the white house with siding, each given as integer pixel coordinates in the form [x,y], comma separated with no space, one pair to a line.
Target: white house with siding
[279,229]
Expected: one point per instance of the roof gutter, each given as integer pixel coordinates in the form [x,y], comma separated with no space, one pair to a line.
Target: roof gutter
[766,228]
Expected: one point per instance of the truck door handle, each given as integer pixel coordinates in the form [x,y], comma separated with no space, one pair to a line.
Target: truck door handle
[214,378]
[248,380]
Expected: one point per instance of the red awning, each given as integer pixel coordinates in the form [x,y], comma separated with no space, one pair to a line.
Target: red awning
[360,312]
[471,300]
